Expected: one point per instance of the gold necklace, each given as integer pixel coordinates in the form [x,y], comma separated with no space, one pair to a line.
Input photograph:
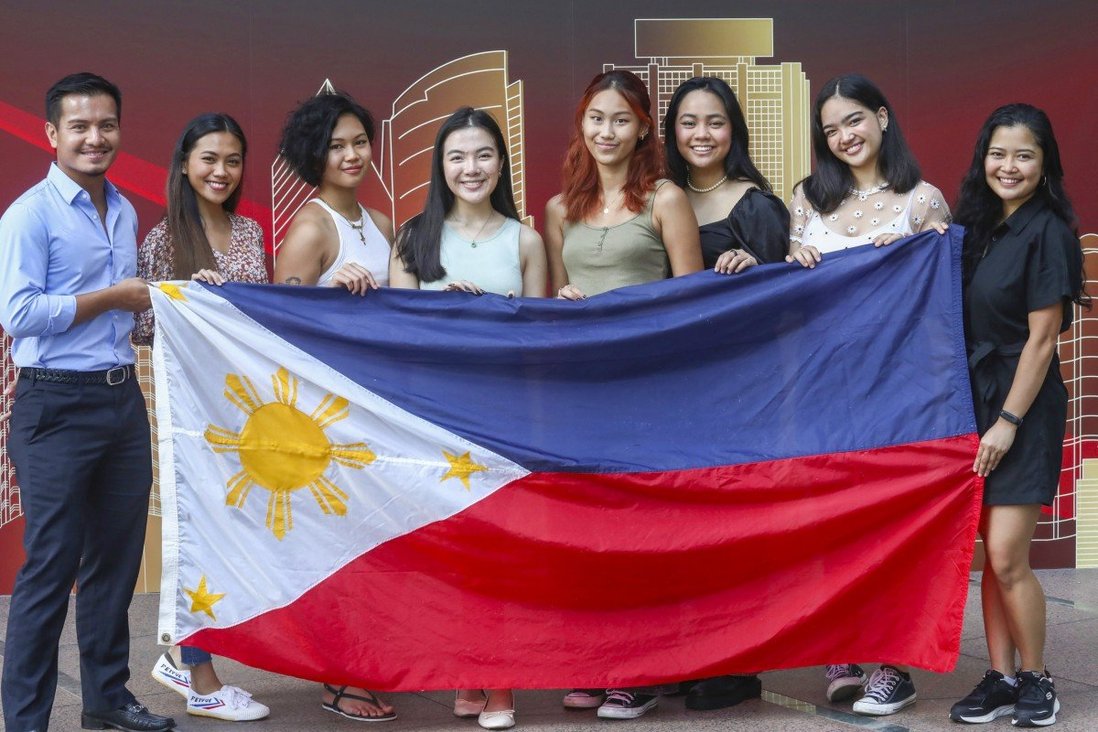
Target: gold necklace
[473,242]
[358,227]
[606,204]
[715,186]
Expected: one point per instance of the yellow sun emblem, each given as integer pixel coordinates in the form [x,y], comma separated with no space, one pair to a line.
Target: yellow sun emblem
[282,449]
[173,290]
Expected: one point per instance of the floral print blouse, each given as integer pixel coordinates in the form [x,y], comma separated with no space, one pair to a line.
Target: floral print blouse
[243,262]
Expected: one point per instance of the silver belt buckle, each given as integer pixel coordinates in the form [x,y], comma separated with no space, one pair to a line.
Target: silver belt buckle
[118,372]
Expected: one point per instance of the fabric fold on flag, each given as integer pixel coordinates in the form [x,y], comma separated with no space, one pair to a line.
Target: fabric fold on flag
[698,476]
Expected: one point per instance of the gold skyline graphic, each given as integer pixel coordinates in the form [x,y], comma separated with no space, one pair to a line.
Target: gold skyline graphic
[1078,363]
[669,51]
[1086,516]
[776,98]
[478,80]
[11,506]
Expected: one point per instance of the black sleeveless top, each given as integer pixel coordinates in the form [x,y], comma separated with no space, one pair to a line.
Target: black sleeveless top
[759,223]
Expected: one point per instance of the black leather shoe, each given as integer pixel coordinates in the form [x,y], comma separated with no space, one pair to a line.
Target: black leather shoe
[131,718]
[723,691]
[684,688]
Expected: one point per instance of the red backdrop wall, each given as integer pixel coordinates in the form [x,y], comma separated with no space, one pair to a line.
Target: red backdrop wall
[943,64]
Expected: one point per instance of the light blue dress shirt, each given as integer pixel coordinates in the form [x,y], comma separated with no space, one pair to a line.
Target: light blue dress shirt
[53,247]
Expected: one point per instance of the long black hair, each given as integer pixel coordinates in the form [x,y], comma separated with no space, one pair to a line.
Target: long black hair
[737,163]
[980,210]
[828,186]
[191,250]
[308,130]
[419,240]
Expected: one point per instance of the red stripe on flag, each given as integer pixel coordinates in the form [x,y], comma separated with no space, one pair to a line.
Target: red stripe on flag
[561,580]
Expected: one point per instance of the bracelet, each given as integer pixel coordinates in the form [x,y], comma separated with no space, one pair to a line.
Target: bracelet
[1014,419]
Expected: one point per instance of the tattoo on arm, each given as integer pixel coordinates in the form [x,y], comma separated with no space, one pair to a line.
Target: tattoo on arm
[293,280]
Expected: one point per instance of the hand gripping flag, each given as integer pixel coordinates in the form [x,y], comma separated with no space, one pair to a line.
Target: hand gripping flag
[700,476]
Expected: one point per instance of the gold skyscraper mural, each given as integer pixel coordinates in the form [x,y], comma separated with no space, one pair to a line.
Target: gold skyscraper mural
[10,506]
[478,80]
[288,192]
[402,149]
[1077,359]
[775,98]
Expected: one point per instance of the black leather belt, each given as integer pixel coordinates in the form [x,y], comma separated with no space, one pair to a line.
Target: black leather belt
[110,377]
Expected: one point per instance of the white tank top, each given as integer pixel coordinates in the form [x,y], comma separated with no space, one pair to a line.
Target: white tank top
[361,243]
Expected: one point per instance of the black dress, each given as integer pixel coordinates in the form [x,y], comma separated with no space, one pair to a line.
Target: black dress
[758,223]
[1032,261]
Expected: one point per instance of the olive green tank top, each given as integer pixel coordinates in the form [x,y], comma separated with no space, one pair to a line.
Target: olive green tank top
[601,258]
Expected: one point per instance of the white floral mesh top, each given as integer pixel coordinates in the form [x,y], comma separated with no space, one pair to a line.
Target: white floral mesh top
[865,215]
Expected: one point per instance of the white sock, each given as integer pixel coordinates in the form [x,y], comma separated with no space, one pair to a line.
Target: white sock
[1012,680]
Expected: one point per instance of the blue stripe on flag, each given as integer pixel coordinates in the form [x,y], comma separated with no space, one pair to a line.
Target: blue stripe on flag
[865,351]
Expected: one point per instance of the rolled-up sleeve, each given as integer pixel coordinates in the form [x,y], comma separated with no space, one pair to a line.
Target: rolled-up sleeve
[25,308]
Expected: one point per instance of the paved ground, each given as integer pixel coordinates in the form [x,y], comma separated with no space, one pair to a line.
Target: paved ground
[792,700]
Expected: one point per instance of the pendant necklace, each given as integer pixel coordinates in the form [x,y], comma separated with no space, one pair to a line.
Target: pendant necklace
[476,236]
[715,186]
[356,226]
[606,206]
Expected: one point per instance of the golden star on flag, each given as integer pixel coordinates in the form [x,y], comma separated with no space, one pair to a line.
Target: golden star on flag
[461,467]
[173,290]
[202,600]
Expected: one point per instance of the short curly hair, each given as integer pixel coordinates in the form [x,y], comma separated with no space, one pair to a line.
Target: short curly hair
[308,129]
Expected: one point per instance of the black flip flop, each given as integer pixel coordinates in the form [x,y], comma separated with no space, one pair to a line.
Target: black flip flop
[371,698]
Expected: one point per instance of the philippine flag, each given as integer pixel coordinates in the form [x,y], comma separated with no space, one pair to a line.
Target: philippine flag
[707,475]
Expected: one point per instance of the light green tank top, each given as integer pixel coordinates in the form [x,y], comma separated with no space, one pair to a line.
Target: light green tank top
[601,258]
[494,264]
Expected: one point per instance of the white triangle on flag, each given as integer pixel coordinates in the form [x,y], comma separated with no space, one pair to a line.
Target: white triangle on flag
[276,470]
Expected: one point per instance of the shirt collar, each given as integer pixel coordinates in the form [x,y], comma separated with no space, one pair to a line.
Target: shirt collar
[1017,221]
[70,189]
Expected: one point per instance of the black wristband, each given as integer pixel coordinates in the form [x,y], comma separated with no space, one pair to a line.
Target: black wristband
[1014,419]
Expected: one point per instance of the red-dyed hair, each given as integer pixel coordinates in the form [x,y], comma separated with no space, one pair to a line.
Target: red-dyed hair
[580,180]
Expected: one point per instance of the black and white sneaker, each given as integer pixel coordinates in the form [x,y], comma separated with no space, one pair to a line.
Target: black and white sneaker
[888,691]
[844,681]
[992,698]
[1037,704]
[624,704]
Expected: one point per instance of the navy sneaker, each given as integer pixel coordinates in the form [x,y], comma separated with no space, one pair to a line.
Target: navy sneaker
[624,704]
[844,681]
[888,691]
[992,698]
[1037,703]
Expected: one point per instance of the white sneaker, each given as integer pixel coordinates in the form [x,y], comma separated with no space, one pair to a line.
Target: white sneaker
[167,673]
[230,703]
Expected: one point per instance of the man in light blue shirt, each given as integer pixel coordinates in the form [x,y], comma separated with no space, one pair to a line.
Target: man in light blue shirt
[79,433]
